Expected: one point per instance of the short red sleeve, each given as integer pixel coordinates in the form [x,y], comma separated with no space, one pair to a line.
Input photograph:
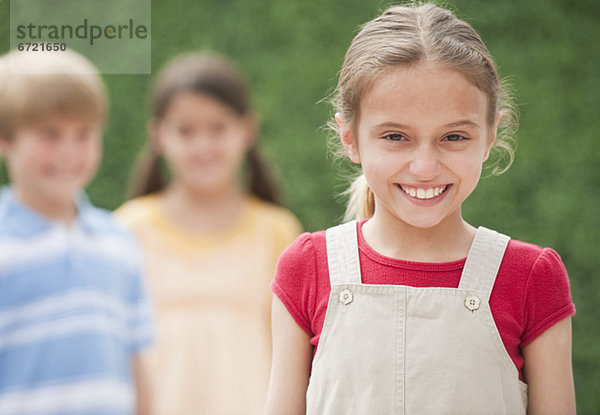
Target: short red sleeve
[295,281]
[547,296]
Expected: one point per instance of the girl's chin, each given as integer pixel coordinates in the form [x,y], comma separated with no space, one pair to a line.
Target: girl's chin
[417,218]
[420,224]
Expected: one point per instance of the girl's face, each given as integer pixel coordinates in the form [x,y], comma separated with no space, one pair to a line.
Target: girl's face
[422,138]
[204,142]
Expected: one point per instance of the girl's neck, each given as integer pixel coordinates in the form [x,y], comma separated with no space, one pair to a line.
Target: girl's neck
[203,212]
[448,241]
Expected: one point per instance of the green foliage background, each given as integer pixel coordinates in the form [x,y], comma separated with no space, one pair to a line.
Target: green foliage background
[291,51]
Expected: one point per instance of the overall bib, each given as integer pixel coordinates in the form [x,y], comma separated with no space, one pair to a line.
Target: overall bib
[392,349]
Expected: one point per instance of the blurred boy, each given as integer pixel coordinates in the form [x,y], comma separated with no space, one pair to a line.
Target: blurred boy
[73,312]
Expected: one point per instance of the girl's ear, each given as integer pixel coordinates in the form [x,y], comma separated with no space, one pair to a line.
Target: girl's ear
[348,140]
[492,140]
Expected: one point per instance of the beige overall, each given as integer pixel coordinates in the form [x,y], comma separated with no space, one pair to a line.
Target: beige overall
[389,349]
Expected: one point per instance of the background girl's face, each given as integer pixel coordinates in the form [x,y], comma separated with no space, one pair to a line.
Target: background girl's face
[204,141]
[422,138]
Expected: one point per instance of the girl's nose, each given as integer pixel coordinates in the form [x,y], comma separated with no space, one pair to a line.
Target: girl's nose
[425,163]
[202,142]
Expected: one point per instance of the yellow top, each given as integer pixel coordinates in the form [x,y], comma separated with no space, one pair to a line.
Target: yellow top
[212,300]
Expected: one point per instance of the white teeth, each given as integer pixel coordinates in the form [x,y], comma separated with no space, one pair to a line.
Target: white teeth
[424,194]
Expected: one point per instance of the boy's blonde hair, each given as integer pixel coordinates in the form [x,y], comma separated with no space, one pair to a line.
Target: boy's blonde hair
[37,85]
[405,36]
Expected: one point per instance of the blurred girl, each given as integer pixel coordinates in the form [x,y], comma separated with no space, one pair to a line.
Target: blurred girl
[411,310]
[210,242]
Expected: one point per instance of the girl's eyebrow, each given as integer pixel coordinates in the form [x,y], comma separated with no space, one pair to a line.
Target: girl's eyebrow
[391,124]
[455,124]
[461,123]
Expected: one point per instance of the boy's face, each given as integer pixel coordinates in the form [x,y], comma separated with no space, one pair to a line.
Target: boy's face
[52,160]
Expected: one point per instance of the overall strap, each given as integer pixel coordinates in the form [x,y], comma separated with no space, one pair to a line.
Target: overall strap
[483,261]
[342,254]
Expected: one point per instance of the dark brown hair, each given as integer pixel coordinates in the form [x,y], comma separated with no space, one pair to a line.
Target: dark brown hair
[215,76]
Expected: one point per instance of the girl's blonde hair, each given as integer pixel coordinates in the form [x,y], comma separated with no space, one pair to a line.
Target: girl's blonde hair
[215,76]
[407,35]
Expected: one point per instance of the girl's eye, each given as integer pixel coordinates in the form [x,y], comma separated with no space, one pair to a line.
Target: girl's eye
[217,128]
[394,137]
[185,132]
[455,137]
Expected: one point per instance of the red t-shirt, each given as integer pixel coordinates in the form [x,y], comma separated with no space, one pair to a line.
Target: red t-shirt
[531,292]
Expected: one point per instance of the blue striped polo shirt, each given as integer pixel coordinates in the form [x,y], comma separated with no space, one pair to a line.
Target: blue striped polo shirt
[73,312]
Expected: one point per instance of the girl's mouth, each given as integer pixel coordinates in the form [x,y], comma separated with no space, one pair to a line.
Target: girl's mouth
[423,193]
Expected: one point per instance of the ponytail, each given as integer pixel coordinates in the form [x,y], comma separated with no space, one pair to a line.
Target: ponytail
[148,177]
[361,201]
[261,182]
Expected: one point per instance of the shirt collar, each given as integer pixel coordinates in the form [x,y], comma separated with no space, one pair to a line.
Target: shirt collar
[27,222]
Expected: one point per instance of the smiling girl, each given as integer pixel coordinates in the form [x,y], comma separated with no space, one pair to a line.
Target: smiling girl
[411,309]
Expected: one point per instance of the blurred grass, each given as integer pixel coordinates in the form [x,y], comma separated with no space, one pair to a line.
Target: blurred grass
[291,52]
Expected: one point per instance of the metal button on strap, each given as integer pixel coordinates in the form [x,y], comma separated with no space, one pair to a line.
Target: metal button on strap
[472,302]
[346,297]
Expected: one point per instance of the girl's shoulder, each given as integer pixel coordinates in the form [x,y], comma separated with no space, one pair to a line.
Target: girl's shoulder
[525,265]
[306,246]
[301,277]
[520,257]
[304,262]
[535,281]
[527,259]
[272,211]
[277,220]
[139,211]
